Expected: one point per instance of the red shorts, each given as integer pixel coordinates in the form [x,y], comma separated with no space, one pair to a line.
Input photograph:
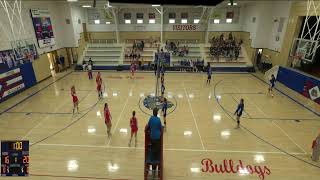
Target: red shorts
[134,130]
[99,88]
[75,99]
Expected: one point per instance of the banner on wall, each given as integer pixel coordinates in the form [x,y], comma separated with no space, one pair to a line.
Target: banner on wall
[42,27]
[21,53]
[185,27]
[164,58]
[11,82]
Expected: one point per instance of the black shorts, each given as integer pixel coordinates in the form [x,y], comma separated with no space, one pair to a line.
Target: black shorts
[209,77]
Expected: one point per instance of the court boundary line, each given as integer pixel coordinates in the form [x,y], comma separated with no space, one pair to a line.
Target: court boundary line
[73,177]
[46,118]
[168,149]
[194,119]
[291,139]
[119,118]
[260,138]
[31,95]
[294,100]
[67,126]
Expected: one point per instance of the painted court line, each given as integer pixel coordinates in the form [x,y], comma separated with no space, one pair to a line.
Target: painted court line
[284,132]
[29,96]
[119,118]
[169,149]
[194,119]
[288,96]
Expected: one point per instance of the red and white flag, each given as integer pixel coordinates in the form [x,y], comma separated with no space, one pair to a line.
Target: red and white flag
[10,82]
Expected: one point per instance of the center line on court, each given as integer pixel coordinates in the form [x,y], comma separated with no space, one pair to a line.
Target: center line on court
[119,118]
[194,119]
[289,137]
[171,149]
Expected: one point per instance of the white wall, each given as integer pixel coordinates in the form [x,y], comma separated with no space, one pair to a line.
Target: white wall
[264,30]
[65,34]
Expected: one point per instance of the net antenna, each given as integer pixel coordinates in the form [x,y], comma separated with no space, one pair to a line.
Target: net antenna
[12,26]
[306,45]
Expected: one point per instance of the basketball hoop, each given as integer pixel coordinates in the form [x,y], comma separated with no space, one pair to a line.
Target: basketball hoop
[296,59]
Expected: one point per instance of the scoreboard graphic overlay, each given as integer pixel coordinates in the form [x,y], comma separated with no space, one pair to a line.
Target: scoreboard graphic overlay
[14,158]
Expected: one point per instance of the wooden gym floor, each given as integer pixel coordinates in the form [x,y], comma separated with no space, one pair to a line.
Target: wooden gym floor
[274,141]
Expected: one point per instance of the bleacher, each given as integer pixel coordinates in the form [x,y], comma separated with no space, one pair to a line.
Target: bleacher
[103,54]
[106,54]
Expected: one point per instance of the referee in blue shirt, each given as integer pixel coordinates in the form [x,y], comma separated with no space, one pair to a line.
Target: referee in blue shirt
[155,126]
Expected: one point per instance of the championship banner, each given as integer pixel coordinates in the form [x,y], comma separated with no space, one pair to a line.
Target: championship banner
[11,82]
[42,27]
[185,27]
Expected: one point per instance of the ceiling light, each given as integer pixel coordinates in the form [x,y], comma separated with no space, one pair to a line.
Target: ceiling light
[152,21]
[184,21]
[72,0]
[155,5]
[196,21]
[229,20]
[234,4]
[139,21]
[127,21]
[108,22]
[86,6]
[97,21]
[216,21]
[109,4]
[172,21]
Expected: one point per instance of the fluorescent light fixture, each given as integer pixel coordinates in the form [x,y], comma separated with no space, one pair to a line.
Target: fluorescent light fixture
[259,158]
[73,165]
[152,21]
[218,97]
[108,22]
[229,20]
[172,21]
[112,167]
[86,6]
[187,133]
[184,21]
[97,21]
[72,0]
[127,21]
[98,113]
[109,4]
[180,96]
[234,4]
[105,94]
[195,170]
[216,21]
[124,130]
[225,134]
[114,94]
[216,118]
[155,5]
[196,21]
[139,21]
[191,96]
[91,130]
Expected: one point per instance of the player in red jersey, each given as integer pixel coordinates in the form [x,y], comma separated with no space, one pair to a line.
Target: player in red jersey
[134,128]
[99,85]
[107,118]
[132,69]
[74,99]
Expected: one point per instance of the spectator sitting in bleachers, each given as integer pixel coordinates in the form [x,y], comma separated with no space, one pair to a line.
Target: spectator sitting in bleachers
[229,48]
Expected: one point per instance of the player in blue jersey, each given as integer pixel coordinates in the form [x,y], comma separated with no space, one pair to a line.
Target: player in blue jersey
[209,73]
[239,112]
[272,84]
[164,111]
